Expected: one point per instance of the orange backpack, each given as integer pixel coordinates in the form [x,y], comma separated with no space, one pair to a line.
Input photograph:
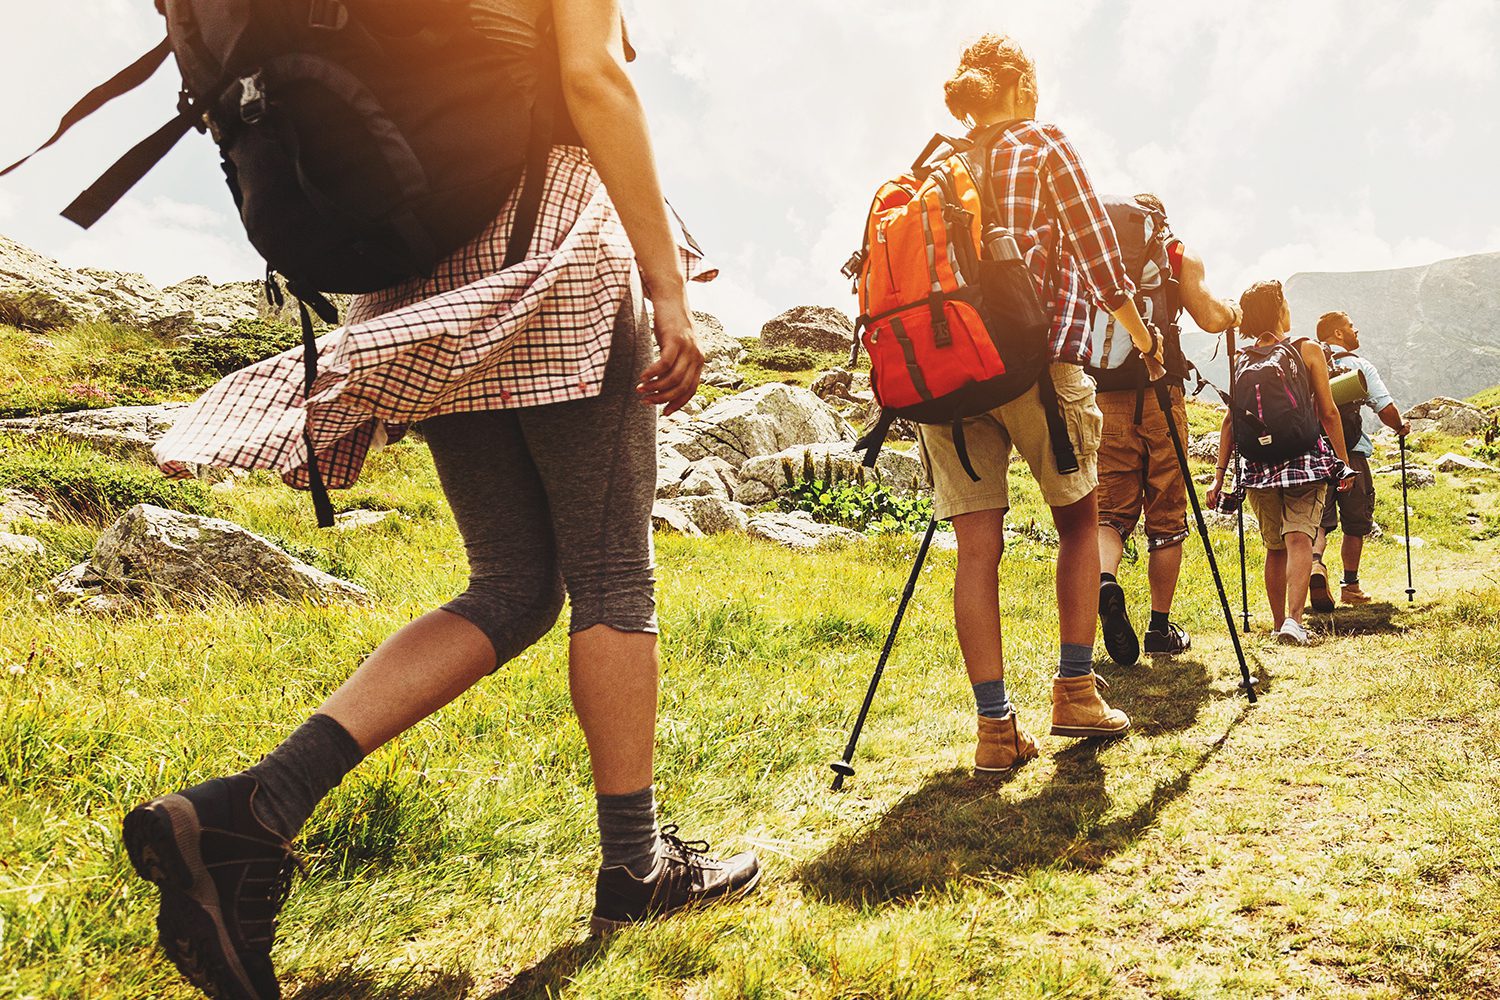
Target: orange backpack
[949,314]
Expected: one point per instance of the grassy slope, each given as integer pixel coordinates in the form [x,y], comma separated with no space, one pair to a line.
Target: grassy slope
[1338,840]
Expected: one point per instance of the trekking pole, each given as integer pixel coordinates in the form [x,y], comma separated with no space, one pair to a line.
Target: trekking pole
[844,767]
[1411,590]
[1163,399]
[1239,511]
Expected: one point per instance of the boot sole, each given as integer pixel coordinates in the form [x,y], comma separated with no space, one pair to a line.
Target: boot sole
[162,838]
[1319,594]
[1084,732]
[1120,640]
[1005,770]
[603,926]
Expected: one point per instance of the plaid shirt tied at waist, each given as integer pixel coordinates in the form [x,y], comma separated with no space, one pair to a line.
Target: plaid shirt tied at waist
[470,337]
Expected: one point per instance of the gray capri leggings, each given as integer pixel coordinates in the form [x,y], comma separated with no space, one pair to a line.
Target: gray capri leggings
[553,499]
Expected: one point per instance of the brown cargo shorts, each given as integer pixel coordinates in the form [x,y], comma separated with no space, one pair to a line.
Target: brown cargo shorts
[1022,424]
[1282,510]
[1138,470]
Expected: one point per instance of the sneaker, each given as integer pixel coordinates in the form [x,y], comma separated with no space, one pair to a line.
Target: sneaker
[1119,638]
[223,878]
[1292,633]
[684,876]
[1169,641]
[1079,710]
[1350,593]
[1322,599]
[1003,745]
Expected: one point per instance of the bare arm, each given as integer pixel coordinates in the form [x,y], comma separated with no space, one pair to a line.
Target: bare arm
[1391,417]
[1226,445]
[1129,317]
[1328,412]
[1213,315]
[605,107]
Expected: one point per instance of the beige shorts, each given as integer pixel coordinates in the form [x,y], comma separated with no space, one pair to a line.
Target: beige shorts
[1021,423]
[1282,510]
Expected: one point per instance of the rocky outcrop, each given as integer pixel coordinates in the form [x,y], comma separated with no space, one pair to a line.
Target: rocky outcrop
[722,353]
[813,328]
[700,515]
[127,430]
[152,552]
[763,421]
[1204,447]
[1417,478]
[18,505]
[14,547]
[76,295]
[1454,462]
[1447,416]
[799,531]
[765,478]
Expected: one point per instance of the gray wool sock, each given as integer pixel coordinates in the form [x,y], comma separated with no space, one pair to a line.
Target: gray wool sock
[627,831]
[295,776]
[1075,660]
[992,700]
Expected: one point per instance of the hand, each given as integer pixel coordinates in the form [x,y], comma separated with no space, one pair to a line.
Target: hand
[1405,430]
[1348,479]
[1212,496]
[673,379]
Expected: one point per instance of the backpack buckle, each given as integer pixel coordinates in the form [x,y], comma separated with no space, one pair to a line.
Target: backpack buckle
[328,15]
[253,103]
[852,266]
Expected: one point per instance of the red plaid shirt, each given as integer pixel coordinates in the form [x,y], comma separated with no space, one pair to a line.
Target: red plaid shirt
[1090,265]
[471,337]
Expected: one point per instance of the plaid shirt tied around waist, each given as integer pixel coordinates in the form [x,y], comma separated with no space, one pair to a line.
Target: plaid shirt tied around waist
[1320,465]
[1090,265]
[470,337]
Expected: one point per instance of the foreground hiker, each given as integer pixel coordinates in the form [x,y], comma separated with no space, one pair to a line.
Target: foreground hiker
[1285,425]
[564,373]
[1354,508]
[1138,469]
[1039,188]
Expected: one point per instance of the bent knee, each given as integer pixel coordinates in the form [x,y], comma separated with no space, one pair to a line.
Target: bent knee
[512,620]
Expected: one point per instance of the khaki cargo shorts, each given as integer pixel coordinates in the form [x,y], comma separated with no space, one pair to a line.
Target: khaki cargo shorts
[1282,510]
[1021,423]
[1138,470]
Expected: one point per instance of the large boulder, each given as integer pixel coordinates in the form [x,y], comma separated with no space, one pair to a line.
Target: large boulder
[708,515]
[1454,462]
[814,328]
[151,551]
[767,477]
[128,430]
[797,530]
[762,421]
[1447,416]
[722,353]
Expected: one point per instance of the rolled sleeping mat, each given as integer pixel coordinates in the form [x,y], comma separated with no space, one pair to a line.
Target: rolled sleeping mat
[1349,387]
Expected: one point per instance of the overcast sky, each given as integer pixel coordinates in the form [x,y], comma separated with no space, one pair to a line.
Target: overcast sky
[1283,135]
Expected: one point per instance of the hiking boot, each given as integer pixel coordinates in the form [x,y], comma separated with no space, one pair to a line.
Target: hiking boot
[1002,744]
[1119,638]
[1350,593]
[1317,590]
[684,876]
[1079,710]
[1292,633]
[223,878]
[1168,641]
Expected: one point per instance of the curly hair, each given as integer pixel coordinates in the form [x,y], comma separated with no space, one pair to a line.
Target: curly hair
[989,69]
[1261,306]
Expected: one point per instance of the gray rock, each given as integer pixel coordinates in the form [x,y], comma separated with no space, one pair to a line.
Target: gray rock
[711,477]
[710,515]
[797,530]
[127,430]
[721,352]
[18,505]
[815,328]
[353,520]
[668,517]
[899,471]
[762,421]
[18,546]
[1416,477]
[1204,447]
[835,383]
[1454,462]
[151,551]
[752,493]
[1448,416]
[671,469]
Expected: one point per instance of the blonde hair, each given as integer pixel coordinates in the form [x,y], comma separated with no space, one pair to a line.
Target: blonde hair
[990,68]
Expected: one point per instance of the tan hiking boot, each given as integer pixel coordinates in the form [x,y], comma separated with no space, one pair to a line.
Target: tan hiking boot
[1350,593]
[1079,710]
[1002,744]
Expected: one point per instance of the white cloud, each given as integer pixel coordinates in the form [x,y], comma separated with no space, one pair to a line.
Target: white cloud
[167,241]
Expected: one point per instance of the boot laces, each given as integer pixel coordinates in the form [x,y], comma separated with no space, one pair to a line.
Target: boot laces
[693,853]
[260,897]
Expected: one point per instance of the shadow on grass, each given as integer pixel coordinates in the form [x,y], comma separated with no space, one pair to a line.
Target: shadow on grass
[1369,619]
[956,826]
[544,979]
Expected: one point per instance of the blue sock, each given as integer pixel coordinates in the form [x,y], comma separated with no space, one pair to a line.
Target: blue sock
[991,698]
[1075,660]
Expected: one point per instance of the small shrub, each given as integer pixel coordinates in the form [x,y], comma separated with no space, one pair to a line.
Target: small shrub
[96,487]
[788,359]
[869,507]
[246,342]
[35,311]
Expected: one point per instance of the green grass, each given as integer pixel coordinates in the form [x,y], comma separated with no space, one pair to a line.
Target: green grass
[1337,840]
[1486,399]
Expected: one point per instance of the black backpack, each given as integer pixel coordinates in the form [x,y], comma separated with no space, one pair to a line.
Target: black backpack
[362,140]
[1143,236]
[1273,413]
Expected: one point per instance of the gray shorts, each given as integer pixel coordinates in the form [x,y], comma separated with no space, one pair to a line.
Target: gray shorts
[553,500]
